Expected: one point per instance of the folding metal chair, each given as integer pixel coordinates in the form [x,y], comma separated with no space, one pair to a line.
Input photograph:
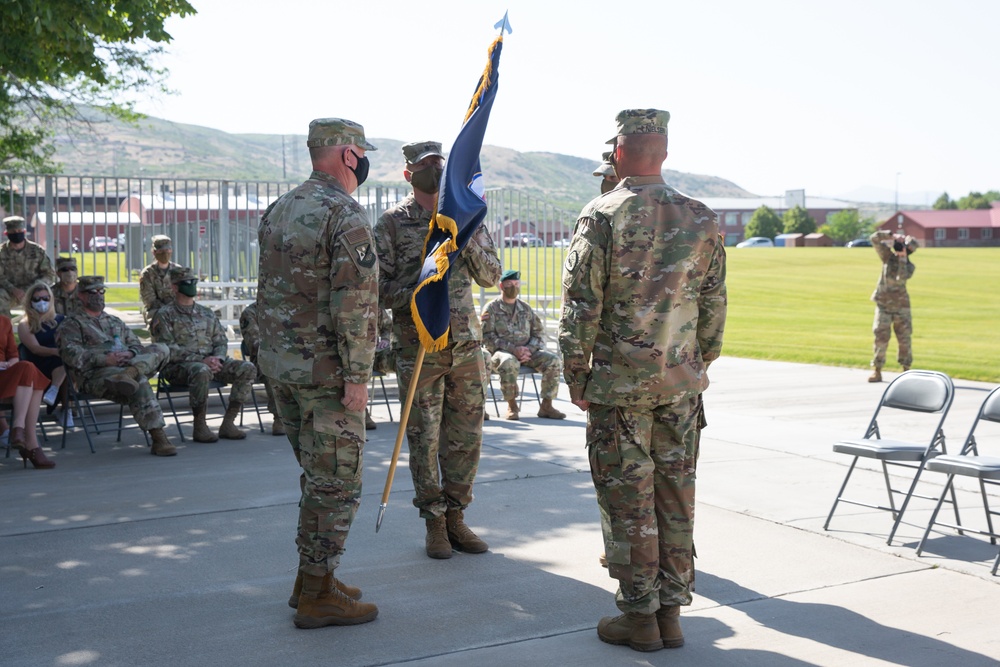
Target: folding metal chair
[166,388]
[524,372]
[913,392]
[87,418]
[970,463]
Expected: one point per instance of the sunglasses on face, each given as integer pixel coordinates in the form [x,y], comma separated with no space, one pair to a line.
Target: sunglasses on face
[67,268]
[39,299]
[95,291]
[188,282]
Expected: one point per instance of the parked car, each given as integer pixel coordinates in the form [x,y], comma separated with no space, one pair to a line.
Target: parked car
[103,244]
[756,242]
[562,243]
[859,243]
[523,239]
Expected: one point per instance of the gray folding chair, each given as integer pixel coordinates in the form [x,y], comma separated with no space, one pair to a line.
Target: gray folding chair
[914,392]
[970,463]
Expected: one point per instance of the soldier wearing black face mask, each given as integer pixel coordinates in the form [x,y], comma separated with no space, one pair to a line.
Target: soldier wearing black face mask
[22,263]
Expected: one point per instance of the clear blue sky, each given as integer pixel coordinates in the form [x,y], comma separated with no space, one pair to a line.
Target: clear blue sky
[772,94]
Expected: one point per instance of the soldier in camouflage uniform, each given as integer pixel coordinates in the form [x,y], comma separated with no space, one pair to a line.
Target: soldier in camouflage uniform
[385,360]
[198,348]
[22,263]
[155,290]
[64,290]
[606,170]
[445,429]
[317,299]
[250,347]
[87,342]
[514,334]
[643,317]
[892,301]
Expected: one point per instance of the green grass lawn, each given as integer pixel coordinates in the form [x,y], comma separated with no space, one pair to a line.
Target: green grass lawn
[812,305]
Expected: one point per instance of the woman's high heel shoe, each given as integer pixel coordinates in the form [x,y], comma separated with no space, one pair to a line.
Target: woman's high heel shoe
[37,458]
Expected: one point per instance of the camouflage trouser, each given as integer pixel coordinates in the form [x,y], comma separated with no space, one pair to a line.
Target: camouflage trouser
[445,424]
[328,442]
[507,367]
[196,375]
[643,464]
[143,404]
[902,323]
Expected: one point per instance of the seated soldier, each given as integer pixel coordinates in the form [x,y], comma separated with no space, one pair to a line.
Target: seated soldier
[198,347]
[513,333]
[106,359]
[249,347]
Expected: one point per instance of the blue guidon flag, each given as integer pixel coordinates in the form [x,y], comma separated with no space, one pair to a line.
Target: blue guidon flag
[461,209]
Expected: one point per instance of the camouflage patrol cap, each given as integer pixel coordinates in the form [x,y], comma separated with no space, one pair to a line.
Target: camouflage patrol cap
[510,274]
[418,150]
[90,283]
[179,274]
[65,263]
[14,223]
[605,168]
[641,121]
[161,242]
[337,132]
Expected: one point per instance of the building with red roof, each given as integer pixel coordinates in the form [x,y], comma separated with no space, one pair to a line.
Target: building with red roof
[949,229]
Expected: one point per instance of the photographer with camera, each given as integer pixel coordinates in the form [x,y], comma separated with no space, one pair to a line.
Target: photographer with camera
[892,302]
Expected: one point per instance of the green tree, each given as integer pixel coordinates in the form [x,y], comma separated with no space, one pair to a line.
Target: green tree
[58,57]
[764,222]
[847,225]
[798,221]
[944,203]
[973,200]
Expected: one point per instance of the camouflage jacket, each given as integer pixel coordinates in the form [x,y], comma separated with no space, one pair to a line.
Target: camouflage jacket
[155,290]
[644,297]
[191,332]
[399,236]
[19,269]
[317,291]
[507,326]
[85,341]
[250,332]
[66,303]
[890,293]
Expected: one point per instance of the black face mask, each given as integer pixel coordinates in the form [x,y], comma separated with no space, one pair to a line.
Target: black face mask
[607,186]
[361,171]
[94,301]
[15,237]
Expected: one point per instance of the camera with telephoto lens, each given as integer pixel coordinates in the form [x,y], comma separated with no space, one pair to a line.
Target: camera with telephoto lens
[898,245]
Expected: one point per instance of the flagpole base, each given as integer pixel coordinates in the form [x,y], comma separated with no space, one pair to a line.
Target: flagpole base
[381,513]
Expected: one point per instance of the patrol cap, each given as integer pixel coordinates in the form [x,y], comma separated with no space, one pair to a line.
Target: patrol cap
[337,132]
[90,283]
[179,274]
[605,168]
[510,274]
[65,263]
[418,150]
[641,121]
[161,242]
[14,223]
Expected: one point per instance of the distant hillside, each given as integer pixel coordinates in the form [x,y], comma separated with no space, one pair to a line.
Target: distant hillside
[157,148]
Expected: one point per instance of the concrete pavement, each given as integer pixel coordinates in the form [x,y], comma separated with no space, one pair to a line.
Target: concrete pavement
[121,558]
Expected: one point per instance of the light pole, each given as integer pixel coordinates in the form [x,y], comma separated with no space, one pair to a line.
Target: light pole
[897,189]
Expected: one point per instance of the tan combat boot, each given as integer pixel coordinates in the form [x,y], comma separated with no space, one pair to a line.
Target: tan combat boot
[277,426]
[201,431]
[370,424]
[161,445]
[461,536]
[669,621]
[437,543]
[126,382]
[876,375]
[638,631]
[352,592]
[512,410]
[486,414]
[321,604]
[229,430]
[548,412]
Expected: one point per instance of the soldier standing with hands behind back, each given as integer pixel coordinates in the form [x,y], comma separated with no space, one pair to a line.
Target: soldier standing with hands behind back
[155,290]
[892,301]
[22,264]
[317,299]
[644,307]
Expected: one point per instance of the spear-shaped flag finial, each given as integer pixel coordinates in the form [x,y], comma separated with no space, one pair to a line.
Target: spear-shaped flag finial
[504,24]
